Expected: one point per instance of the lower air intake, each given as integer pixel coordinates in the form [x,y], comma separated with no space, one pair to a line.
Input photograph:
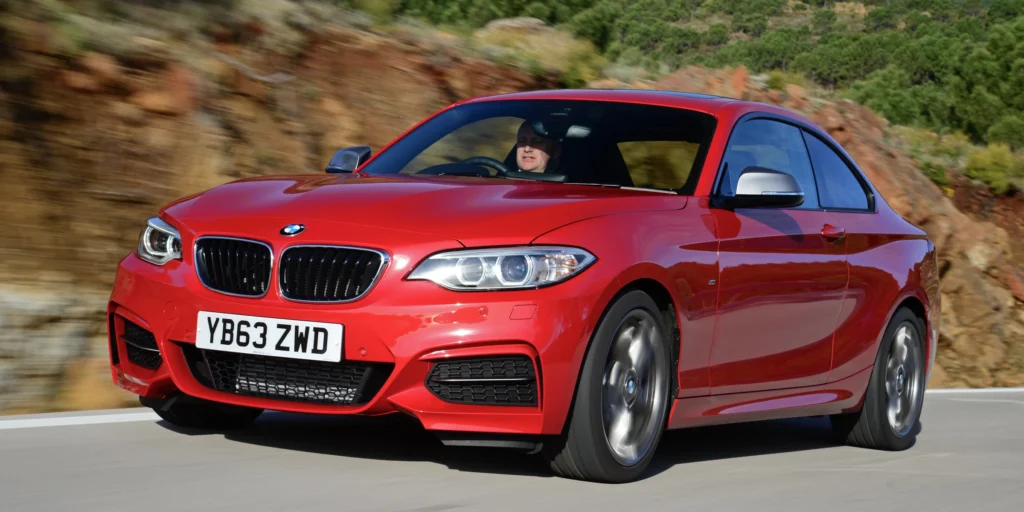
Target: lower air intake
[502,380]
[140,346]
[294,380]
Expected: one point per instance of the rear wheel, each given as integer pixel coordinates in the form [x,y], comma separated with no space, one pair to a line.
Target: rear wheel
[190,412]
[622,398]
[895,396]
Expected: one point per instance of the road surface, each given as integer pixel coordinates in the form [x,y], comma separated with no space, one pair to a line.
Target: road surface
[969,457]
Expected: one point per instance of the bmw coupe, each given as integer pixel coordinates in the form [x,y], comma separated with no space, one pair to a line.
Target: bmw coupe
[567,272]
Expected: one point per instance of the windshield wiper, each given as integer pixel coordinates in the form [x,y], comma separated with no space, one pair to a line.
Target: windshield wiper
[613,185]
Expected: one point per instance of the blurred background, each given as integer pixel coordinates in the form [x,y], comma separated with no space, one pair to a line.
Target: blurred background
[109,109]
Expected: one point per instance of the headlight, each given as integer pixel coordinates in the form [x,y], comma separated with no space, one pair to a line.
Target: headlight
[159,242]
[504,268]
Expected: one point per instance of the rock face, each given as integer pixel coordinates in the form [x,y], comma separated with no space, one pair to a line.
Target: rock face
[44,339]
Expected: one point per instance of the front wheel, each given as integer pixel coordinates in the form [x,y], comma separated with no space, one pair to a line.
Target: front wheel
[622,399]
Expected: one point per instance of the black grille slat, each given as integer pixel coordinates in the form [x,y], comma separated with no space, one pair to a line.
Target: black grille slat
[332,272]
[293,380]
[343,273]
[500,380]
[238,267]
[328,274]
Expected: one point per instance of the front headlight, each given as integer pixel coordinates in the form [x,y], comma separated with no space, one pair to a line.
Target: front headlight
[503,268]
[159,242]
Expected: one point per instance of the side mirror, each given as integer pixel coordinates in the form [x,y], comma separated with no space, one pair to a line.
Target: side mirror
[759,187]
[348,159]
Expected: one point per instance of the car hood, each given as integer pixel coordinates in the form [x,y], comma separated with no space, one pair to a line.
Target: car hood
[472,211]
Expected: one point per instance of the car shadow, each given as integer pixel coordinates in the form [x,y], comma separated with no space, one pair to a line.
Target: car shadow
[400,438]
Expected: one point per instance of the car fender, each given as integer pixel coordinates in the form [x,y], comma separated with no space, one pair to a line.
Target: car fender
[626,256]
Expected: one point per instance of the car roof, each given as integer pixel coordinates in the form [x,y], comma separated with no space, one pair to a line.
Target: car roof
[707,103]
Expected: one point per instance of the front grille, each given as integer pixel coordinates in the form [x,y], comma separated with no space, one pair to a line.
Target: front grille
[294,380]
[504,380]
[233,266]
[328,274]
[140,345]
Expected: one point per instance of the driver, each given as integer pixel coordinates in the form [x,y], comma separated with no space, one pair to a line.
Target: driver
[535,153]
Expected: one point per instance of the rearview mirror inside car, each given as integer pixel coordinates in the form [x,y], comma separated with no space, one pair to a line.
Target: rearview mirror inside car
[759,187]
[348,159]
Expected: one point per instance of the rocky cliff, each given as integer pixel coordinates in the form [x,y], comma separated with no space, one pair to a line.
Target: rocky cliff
[92,142]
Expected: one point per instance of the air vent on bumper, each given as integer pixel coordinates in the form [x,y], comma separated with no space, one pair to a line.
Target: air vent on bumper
[498,380]
[140,345]
[293,380]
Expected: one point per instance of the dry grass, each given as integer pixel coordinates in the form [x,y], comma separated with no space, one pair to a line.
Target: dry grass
[545,50]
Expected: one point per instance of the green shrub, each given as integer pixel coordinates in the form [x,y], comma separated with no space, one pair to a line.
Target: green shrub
[995,166]
[936,173]
[750,24]
[716,35]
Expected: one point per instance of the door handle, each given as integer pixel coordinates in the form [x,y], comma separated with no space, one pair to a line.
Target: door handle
[832,232]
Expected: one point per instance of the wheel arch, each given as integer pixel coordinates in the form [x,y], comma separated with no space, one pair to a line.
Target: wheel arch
[914,303]
[669,309]
[915,300]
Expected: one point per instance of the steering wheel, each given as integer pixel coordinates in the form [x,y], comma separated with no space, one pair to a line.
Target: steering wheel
[487,161]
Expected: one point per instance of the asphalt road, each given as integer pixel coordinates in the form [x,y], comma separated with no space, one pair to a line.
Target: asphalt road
[969,457]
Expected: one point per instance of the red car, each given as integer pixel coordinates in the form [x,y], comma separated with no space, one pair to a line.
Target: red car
[565,272]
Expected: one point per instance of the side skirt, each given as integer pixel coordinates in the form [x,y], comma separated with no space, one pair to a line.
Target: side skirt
[831,398]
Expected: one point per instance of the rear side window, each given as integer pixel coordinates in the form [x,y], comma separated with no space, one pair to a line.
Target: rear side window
[838,187]
[662,164]
[773,145]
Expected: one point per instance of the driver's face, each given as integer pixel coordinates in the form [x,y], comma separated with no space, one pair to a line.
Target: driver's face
[533,151]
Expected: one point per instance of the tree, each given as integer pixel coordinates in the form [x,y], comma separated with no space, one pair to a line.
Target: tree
[887,92]
[750,24]
[1009,130]
[823,21]
[1004,10]
[882,18]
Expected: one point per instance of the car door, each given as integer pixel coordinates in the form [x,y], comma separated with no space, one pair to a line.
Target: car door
[843,193]
[783,272]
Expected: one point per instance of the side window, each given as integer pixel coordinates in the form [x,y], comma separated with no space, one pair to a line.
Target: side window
[838,187]
[773,145]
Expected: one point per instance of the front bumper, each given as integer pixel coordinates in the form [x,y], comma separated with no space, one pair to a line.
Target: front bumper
[404,326]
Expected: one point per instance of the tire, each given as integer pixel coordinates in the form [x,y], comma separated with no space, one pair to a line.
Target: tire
[584,451]
[190,412]
[873,427]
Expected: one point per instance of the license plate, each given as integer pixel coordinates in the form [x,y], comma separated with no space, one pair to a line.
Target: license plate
[278,337]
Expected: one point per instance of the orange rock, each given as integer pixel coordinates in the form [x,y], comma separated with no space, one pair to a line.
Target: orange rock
[738,81]
[157,102]
[81,81]
[182,87]
[103,67]
[1015,281]
[796,92]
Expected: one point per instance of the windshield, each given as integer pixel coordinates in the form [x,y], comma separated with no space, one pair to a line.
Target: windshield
[570,141]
